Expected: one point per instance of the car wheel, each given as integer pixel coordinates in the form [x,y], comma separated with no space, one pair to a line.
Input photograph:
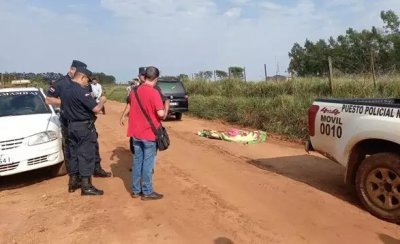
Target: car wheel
[378,185]
[178,116]
[59,169]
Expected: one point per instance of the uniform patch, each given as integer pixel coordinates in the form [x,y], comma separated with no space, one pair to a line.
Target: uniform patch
[87,94]
[51,89]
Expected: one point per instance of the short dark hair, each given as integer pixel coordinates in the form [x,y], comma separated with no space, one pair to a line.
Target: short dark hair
[152,73]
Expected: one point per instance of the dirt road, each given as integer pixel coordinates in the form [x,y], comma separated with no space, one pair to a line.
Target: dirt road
[215,192]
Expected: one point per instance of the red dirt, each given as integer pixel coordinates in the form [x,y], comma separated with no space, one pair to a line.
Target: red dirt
[215,192]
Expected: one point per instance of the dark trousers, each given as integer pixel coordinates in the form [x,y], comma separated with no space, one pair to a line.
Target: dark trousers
[65,141]
[66,148]
[82,148]
[97,158]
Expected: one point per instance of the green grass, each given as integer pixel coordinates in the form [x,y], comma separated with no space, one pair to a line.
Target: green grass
[277,107]
[116,93]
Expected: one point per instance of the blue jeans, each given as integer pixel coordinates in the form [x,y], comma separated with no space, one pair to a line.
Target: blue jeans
[142,164]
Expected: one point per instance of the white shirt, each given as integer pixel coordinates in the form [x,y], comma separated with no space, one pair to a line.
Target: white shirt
[97,91]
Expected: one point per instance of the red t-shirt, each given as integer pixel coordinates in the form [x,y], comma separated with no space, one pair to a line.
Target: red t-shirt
[138,127]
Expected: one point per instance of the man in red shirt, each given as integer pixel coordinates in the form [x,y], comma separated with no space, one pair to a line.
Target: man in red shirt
[144,139]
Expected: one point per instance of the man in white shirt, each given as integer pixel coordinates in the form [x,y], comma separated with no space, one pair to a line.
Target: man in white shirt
[97,91]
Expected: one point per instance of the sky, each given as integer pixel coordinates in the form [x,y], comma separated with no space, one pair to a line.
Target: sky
[177,36]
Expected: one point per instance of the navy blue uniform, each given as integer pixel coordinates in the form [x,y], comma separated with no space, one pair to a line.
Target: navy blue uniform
[55,90]
[78,105]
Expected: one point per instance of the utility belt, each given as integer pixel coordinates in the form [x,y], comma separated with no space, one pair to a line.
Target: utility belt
[89,123]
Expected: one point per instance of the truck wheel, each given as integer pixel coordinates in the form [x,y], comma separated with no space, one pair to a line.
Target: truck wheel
[378,185]
[178,116]
[58,170]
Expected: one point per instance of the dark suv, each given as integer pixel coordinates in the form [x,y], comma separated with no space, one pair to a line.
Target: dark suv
[174,90]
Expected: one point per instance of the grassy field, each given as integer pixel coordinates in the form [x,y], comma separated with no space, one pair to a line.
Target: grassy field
[277,107]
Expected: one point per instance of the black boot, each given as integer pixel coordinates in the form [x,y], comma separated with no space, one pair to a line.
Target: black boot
[74,183]
[88,189]
[100,172]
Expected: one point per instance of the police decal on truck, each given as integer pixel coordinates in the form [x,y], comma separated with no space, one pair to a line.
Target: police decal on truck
[331,123]
[371,110]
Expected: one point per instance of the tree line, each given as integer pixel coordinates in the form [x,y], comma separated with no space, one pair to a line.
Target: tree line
[50,76]
[376,50]
[233,72]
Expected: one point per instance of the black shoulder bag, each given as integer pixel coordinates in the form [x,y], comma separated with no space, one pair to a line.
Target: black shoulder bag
[162,138]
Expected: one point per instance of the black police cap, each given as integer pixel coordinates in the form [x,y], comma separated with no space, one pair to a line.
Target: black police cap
[77,63]
[142,70]
[84,71]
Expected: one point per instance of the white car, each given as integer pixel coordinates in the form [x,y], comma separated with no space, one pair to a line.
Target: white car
[30,133]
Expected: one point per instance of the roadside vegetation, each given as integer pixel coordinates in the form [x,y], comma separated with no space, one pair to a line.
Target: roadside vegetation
[277,107]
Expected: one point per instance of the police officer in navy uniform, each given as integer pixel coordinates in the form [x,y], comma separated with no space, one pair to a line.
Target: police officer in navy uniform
[53,98]
[79,110]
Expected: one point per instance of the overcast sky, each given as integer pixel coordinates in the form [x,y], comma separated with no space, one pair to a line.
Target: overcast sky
[178,36]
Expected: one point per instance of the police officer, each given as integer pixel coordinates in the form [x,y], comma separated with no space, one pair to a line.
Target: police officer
[79,109]
[53,98]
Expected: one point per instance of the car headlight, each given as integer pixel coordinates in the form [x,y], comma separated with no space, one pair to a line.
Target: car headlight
[42,137]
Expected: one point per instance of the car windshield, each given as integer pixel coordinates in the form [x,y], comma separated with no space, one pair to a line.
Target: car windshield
[171,87]
[22,103]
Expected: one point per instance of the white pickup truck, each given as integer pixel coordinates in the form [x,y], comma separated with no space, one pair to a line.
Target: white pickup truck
[363,135]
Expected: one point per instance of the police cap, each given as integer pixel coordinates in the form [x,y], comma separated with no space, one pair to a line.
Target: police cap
[142,70]
[85,71]
[77,63]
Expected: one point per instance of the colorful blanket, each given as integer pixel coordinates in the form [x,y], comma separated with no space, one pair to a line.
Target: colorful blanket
[236,135]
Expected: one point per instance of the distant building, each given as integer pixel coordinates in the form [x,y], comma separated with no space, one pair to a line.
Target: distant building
[278,78]
[20,82]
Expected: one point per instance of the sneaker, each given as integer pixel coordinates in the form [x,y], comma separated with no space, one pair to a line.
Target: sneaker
[152,196]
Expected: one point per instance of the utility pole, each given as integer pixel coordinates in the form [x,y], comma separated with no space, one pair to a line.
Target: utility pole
[265,72]
[277,69]
[330,74]
[373,68]
[244,74]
